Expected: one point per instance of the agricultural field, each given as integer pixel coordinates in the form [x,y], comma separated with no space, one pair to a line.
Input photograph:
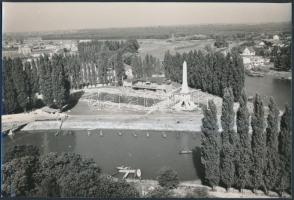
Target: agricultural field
[157,47]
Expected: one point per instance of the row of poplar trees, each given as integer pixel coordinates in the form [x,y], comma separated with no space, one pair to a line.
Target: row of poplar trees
[22,80]
[257,160]
[53,77]
[144,68]
[211,71]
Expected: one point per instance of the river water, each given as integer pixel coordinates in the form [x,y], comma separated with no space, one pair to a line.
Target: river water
[145,150]
[267,86]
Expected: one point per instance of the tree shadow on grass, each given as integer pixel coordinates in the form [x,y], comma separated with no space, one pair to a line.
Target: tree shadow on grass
[73,100]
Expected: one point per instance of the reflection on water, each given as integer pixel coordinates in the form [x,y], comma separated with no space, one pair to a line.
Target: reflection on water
[268,86]
[148,152]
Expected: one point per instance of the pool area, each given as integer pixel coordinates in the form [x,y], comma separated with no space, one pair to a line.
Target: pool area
[120,98]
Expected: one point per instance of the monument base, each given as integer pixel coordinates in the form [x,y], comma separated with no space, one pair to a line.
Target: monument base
[184,103]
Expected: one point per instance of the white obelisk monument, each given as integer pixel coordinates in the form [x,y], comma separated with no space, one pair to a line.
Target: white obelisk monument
[184,101]
[185,88]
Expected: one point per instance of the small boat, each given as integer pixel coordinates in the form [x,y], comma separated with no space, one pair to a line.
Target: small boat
[119,133]
[134,134]
[164,135]
[89,132]
[101,134]
[57,133]
[122,168]
[185,152]
[138,173]
[10,133]
[147,134]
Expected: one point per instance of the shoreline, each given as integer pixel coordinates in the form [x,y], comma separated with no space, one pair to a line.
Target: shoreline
[121,122]
[184,187]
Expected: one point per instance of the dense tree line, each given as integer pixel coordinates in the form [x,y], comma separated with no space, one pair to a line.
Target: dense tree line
[220,42]
[26,173]
[209,71]
[260,160]
[53,77]
[24,80]
[281,56]
[142,68]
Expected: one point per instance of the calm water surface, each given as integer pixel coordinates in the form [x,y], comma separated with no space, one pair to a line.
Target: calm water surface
[148,153]
[268,86]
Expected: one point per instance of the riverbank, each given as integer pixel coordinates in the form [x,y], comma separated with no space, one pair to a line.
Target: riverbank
[189,187]
[158,122]
[281,74]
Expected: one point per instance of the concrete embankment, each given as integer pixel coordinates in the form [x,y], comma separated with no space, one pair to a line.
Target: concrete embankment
[167,122]
[159,123]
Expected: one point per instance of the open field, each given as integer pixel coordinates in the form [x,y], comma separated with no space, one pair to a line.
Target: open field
[157,47]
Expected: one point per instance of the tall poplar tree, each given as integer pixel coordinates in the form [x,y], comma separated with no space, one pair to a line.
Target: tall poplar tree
[258,143]
[20,83]
[10,94]
[210,145]
[119,68]
[46,86]
[285,147]
[245,162]
[228,138]
[272,158]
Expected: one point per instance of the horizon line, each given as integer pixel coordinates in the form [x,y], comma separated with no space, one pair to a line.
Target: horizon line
[152,26]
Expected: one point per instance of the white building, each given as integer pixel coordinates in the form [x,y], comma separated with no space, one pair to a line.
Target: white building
[25,50]
[248,52]
[276,37]
[128,71]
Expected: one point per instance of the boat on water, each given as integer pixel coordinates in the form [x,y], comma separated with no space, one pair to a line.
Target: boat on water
[128,170]
[164,135]
[185,152]
[10,133]
[147,134]
[89,132]
[138,173]
[101,134]
[119,133]
[57,133]
[122,167]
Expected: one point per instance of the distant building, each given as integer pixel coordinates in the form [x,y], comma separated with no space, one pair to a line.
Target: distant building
[10,53]
[248,51]
[84,41]
[24,50]
[128,71]
[127,83]
[32,40]
[276,37]
[250,60]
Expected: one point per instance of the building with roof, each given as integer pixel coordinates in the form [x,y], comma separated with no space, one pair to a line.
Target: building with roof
[276,37]
[248,51]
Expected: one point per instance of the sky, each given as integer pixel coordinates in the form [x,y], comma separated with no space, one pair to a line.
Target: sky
[30,17]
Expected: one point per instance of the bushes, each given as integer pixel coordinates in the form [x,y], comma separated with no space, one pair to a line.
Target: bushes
[53,175]
[160,192]
[168,178]
[19,151]
[198,193]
